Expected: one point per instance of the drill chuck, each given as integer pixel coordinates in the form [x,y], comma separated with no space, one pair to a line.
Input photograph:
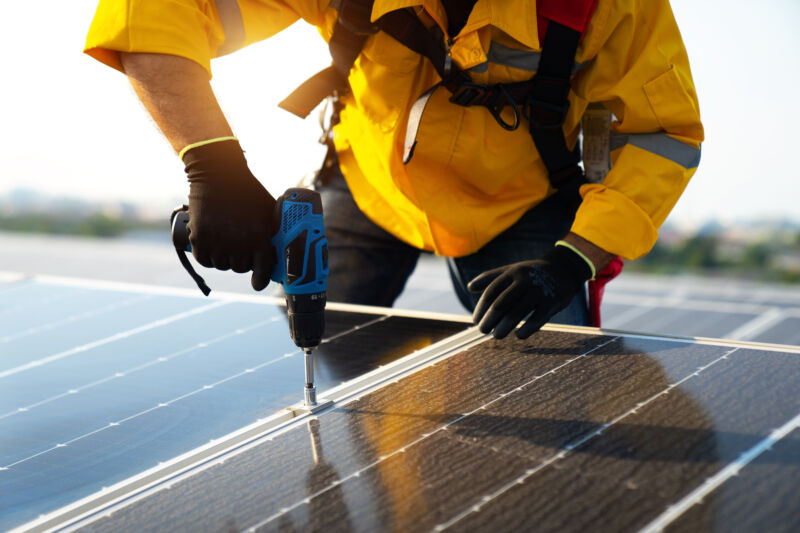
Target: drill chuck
[306,314]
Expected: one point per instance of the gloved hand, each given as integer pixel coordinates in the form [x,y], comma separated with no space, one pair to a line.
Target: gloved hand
[231,212]
[539,288]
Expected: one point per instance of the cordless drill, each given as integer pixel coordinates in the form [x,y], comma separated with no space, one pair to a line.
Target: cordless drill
[301,251]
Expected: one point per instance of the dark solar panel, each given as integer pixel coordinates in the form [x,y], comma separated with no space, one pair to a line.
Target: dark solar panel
[682,322]
[785,332]
[97,385]
[774,474]
[567,431]
[702,308]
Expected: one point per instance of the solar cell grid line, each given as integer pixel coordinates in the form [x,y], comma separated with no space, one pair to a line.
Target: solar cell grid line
[125,372]
[627,476]
[714,482]
[774,472]
[752,329]
[621,314]
[95,364]
[356,321]
[171,401]
[786,331]
[444,427]
[721,306]
[703,287]
[240,470]
[112,338]
[32,303]
[568,448]
[651,320]
[72,318]
[542,367]
[233,441]
[121,373]
[10,308]
[44,303]
[688,323]
[160,405]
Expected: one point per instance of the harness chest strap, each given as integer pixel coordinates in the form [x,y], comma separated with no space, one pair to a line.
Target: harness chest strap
[543,100]
[351,31]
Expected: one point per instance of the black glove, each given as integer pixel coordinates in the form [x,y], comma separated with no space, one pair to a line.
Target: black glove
[539,288]
[231,225]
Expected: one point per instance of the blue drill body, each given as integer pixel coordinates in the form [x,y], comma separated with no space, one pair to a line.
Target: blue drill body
[300,244]
[301,267]
[302,263]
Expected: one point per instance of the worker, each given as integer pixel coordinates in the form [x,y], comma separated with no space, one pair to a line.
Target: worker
[417,166]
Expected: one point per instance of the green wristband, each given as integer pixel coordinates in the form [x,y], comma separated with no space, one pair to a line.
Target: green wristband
[203,143]
[581,255]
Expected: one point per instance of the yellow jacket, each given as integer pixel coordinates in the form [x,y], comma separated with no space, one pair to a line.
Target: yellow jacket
[469,179]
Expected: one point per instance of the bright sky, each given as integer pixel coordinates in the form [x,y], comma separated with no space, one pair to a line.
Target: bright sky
[72,126]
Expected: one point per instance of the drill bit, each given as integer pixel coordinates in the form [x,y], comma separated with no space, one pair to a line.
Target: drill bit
[309,392]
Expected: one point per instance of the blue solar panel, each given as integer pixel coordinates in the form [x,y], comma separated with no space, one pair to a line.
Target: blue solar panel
[658,320]
[99,384]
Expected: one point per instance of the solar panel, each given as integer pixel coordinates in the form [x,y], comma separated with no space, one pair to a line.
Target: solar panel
[748,312]
[787,331]
[686,322]
[570,430]
[99,383]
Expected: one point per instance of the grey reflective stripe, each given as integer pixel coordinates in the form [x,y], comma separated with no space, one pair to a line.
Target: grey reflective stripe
[662,145]
[481,68]
[232,25]
[511,57]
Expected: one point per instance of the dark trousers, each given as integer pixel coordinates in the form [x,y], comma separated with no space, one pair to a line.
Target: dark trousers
[370,266]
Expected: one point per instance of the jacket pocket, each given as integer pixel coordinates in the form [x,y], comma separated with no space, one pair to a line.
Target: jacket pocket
[674,108]
[384,81]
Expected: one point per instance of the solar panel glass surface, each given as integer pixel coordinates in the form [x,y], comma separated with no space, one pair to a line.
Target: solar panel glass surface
[685,322]
[98,384]
[785,332]
[568,431]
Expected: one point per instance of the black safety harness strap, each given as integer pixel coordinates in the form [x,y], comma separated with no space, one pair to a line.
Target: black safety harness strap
[543,99]
[546,107]
[351,31]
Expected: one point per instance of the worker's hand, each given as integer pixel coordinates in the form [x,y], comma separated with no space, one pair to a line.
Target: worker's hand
[231,212]
[539,288]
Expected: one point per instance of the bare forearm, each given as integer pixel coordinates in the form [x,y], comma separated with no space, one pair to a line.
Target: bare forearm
[177,94]
[599,257]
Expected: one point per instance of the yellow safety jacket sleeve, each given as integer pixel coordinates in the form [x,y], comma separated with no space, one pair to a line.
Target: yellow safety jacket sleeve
[641,73]
[195,29]
[469,179]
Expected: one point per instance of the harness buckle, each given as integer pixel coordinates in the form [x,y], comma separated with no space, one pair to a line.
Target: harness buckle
[495,98]
[496,108]
[544,115]
[539,110]
[468,93]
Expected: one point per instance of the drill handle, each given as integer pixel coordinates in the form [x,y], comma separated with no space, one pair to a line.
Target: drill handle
[300,244]
[180,238]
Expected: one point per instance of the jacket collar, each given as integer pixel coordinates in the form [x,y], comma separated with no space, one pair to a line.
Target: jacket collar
[518,21]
